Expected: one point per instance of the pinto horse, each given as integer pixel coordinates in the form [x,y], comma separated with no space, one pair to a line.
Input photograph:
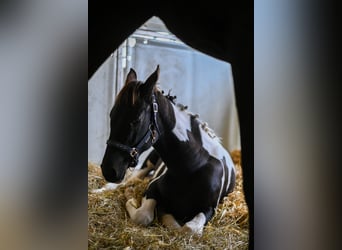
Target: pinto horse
[200,172]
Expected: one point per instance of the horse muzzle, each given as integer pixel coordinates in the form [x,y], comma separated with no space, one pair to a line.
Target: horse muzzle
[112,175]
[114,167]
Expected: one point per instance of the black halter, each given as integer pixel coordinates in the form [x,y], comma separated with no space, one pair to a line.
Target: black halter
[152,133]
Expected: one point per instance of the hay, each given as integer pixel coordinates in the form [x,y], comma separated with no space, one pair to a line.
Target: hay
[109,226]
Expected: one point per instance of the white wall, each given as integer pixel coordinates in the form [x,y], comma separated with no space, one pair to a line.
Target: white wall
[100,99]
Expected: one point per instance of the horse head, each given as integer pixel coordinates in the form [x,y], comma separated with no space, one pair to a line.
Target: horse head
[133,126]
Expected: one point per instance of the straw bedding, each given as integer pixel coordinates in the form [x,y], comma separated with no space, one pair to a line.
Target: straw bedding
[109,226]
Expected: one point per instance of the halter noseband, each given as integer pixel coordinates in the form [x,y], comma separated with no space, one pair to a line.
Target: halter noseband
[152,132]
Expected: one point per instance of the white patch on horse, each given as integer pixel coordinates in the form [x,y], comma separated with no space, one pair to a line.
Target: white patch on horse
[158,170]
[222,183]
[210,141]
[214,147]
[195,226]
[156,178]
[183,124]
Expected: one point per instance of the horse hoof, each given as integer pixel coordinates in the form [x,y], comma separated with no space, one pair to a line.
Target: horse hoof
[189,230]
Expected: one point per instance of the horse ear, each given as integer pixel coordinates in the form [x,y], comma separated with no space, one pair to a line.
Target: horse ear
[151,81]
[131,76]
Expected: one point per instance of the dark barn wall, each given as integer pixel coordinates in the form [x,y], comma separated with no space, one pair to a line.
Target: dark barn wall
[221,29]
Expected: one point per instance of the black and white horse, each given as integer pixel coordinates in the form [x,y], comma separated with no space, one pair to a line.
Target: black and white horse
[200,172]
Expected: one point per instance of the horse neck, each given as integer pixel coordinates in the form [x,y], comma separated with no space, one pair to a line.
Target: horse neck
[166,116]
[183,155]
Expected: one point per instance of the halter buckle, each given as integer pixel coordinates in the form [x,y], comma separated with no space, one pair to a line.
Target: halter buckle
[155,107]
[133,153]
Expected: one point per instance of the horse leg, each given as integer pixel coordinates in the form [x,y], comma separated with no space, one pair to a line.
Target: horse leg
[169,221]
[143,215]
[195,226]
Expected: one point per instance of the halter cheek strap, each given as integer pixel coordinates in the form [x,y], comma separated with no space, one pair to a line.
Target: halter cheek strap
[152,133]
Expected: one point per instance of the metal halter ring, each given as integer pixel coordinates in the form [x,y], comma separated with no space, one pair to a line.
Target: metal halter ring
[133,153]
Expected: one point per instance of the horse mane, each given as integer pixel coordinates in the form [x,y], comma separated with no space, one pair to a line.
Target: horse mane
[184,108]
